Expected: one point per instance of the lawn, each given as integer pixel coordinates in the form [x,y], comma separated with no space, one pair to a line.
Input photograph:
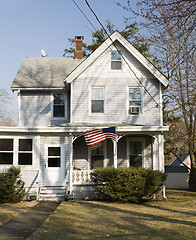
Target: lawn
[174,218]
[8,211]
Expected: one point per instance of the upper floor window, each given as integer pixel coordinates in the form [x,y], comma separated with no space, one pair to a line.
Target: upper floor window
[97,99]
[25,152]
[116,61]
[59,105]
[6,151]
[135,100]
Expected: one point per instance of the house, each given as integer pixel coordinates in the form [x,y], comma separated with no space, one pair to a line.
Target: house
[179,161]
[60,99]
[177,170]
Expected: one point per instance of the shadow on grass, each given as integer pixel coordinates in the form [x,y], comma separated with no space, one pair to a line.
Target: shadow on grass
[80,220]
[150,217]
[134,224]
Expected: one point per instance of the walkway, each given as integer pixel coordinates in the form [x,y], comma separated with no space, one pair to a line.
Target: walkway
[23,225]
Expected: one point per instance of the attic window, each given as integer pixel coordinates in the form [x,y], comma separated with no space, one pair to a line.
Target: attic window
[116,61]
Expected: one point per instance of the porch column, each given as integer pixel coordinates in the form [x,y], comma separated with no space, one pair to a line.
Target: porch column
[154,155]
[115,152]
[161,158]
[160,151]
[71,163]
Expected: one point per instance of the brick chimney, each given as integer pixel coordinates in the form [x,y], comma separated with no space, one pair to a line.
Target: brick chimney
[79,52]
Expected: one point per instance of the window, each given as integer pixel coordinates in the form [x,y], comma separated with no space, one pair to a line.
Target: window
[116,61]
[97,158]
[135,157]
[54,157]
[134,100]
[25,154]
[6,151]
[59,105]
[97,99]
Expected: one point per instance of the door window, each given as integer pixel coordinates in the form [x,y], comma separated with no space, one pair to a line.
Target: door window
[54,157]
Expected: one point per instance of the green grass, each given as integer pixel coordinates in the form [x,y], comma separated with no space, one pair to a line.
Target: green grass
[174,218]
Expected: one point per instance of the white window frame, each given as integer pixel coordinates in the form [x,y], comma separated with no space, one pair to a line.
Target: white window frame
[52,105]
[16,151]
[141,106]
[90,98]
[121,60]
[61,152]
[142,140]
[8,137]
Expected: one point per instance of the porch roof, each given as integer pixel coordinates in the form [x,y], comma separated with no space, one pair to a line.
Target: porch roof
[79,129]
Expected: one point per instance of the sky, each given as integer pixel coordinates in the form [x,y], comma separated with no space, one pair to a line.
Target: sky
[27,26]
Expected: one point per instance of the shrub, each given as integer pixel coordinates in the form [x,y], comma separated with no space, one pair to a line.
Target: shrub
[127,184]
[11,187]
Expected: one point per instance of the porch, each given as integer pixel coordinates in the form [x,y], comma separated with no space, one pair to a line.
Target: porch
[137,150]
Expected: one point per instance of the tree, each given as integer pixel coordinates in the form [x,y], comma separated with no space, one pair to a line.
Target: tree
[131,33]
[12,187]
[171,25]
[5,117]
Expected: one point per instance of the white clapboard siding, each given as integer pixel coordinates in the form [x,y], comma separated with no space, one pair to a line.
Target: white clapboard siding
[116,85]
[35,108]
[30,177]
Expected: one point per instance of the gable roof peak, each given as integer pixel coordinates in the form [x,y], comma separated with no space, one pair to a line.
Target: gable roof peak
[128,46]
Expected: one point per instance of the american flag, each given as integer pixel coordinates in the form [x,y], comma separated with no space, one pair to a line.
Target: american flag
[95,136]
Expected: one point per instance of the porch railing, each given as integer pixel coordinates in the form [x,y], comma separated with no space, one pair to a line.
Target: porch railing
[81,177]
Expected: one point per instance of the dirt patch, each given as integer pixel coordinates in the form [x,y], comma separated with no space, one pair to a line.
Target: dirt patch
[11,210]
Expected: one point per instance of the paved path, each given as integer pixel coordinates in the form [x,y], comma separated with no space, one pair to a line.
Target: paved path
[23,225]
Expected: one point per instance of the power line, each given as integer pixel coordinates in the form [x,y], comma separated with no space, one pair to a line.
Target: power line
[84,14]
[157,104]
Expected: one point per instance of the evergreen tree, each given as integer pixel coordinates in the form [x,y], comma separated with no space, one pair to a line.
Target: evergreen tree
[131,33]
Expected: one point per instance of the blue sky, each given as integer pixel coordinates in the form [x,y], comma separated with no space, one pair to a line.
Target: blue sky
[27,26]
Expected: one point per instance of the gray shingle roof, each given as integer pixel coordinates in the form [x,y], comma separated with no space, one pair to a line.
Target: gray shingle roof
[36,73]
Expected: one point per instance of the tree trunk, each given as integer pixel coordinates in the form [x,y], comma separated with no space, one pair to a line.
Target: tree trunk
[192,180]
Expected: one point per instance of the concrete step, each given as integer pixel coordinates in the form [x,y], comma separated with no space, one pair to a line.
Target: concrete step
[52,193]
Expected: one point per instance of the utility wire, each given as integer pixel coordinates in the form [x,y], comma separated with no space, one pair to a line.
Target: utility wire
[84,14]
[157,104]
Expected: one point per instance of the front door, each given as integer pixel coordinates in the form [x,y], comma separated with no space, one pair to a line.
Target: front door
[135,152]
[54,167]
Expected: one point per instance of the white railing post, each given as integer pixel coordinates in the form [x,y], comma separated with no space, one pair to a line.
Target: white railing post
[81,177]
[37,182]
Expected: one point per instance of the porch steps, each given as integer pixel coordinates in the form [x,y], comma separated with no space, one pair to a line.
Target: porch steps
[56,193]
